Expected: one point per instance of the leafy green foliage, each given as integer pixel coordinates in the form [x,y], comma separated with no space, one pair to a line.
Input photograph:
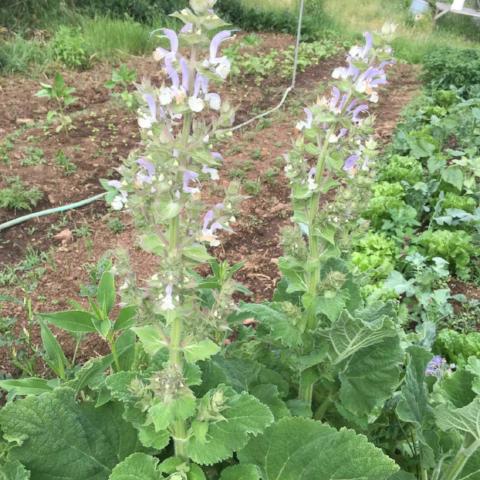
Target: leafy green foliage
[62,95]
[92,439]
[17,196]
[68,48]
[224,424]
[455,247]
[121,79]
[301,448]
[452,67]
[458,347]
[279,62]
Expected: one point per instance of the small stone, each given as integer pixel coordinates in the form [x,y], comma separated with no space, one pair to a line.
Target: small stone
[65,236]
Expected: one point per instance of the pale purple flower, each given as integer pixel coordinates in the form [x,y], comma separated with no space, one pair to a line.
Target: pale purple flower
[187,28]
[115,184]
[307,124]
[217,40]
[210,227]
[213,172]
[167,299]
[143,178]
[222,64]
[161,53]
[214,100]
[436,367]
[217,156]
[148,118]
[351,163]
[356,113]
[189,176]
[172,73]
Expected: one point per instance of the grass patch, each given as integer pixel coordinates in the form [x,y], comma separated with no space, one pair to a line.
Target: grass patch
[107,38]
[18,54]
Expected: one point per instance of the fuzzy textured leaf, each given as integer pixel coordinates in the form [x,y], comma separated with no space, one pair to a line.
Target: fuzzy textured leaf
[91,440]
[242,415]
[137,466]
[297,448]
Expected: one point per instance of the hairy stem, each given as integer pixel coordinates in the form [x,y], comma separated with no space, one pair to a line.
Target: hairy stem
[461,458]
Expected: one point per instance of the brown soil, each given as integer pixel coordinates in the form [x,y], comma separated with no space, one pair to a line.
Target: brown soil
[99,146]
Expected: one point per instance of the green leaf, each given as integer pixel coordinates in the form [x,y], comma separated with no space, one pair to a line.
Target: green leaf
[200,351]
[293,271]
[126,318]
[74,321]
[125,346]
[164,414]
[272,317]
[151,243]
[197,253]
[238,417]
[137,466]
[457,388]
[27,386]
[169,211]
[413,406]
[106,292]
[453,176]
[269,395]
[54,355]
[14,470]
[91,373]
[298,448]
[152,338]
[370,378]
[465,420]
[240,472]
[59,438]
[349,334]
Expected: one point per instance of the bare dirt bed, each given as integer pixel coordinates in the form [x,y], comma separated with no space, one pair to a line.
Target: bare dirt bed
[98,147]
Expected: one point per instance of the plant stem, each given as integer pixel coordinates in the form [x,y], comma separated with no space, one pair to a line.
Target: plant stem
[313,279]
[460,460]
[113,349]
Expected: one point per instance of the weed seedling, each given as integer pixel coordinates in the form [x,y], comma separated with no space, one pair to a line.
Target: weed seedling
[18,196]
[65,163]
[33,156]
[62,96]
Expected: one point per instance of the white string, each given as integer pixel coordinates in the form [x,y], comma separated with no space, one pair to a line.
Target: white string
[292,85]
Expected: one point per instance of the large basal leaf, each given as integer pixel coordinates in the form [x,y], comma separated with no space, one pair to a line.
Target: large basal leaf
[370,377]
[239,417]
[298,448]
[413,406]
[349,334]
[240,472]
[471,471]
[465,420]
[280,324]
[138,466]
[60,438]
[14,470]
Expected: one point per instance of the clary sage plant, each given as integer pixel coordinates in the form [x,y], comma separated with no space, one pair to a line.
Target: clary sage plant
[190,389]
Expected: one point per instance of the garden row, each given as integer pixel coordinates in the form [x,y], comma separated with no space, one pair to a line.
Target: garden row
[334,377]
